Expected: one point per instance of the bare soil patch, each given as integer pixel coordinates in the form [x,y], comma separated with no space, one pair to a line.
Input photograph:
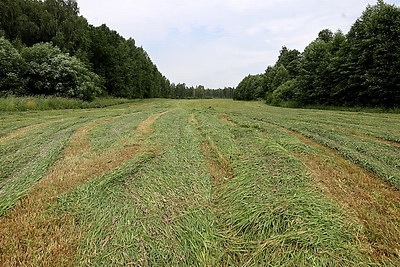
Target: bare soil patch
[225,119]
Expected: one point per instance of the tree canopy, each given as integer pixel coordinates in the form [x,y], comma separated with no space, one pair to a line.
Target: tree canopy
[361,68]
[51,72]
[55,51]
[11,68]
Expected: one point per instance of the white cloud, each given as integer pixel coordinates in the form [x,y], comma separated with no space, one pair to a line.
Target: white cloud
[218,42]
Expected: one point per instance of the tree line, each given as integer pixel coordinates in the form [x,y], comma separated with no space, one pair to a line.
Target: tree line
[47,48]
[360,68]
[182,91]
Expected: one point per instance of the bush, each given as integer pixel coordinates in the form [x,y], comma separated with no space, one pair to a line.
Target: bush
[51,72]
[284,93]
[11,69]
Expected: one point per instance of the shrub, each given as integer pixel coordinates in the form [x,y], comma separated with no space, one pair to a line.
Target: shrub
[284,92]
[51,72]
[11,69]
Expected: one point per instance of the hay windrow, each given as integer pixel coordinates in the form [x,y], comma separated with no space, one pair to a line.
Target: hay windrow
[24,130]
[371,200]
[211,183]
[37,237]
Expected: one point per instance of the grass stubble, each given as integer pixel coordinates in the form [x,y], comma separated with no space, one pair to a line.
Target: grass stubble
[366,200]
[37,236]
[267,214]
[370,201]
[211,183]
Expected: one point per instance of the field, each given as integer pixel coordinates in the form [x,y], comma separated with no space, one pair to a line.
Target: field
[199,183]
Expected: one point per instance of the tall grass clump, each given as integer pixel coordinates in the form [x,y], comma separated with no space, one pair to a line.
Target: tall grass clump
[12,103]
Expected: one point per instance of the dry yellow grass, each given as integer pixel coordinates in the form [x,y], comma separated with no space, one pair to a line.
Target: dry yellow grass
[225,119]
[218,165]
[24,130]
[373,202]
[364,197]
[34,236]
[145,128]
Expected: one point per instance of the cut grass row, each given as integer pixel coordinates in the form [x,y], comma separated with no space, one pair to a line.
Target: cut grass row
[52,235]
[377,156]
[25,159]
[167,209]
[31,142]
[268,210]
[212,183]
[152,210]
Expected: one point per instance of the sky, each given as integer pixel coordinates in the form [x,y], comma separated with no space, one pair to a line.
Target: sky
[216,43]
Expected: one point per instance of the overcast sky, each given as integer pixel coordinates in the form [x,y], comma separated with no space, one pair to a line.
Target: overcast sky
[216,43]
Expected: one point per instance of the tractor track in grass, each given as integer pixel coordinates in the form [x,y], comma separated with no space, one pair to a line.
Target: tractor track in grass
[218,164]
[219,169]
[36,236]
[365,198]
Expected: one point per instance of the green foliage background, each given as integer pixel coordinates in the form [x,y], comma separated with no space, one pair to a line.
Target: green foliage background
[361,68]
[47,48]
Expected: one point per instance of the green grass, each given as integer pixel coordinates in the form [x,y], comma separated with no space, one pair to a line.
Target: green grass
[156,206]
[359,137]
[203,191]
[294,104]
[53,103]
[268,209]
[26,159]
[111,133]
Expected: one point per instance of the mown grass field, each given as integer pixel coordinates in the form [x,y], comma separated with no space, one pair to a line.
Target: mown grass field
[199,183]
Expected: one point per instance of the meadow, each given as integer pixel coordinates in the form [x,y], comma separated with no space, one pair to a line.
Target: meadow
[199,183]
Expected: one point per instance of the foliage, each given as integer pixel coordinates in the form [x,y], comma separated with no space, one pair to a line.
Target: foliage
[250,88]
[124,69]
[284,92]
[361,68]
[276,76]
[51,72]
[37,21]
[315,75]
[374,56]
[181,91]
[286,68]
[11,69]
